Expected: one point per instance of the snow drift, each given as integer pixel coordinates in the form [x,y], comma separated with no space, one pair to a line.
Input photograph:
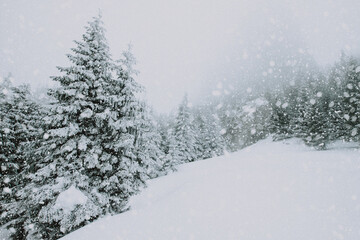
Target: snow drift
[280,190]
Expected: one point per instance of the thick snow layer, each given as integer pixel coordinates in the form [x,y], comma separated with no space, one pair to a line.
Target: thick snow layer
[277,191]
[68,199]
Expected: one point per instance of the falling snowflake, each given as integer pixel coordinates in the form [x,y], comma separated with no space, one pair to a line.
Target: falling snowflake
[219,106]
[357,70]
[223,131]
[216,93]
[245,55]
[354,132]
[31,226]
[46,136]
[7,190]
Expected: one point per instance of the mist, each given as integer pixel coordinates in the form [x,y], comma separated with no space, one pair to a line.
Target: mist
[204,48]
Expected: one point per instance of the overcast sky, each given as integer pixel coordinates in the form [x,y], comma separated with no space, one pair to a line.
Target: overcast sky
[181,46]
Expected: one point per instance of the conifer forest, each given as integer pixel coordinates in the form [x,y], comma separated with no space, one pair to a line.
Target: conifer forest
[79,148]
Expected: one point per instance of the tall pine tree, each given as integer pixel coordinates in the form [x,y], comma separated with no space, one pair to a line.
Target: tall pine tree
[89,150]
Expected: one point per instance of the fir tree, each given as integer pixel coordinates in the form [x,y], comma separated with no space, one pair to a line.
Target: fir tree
[183,148]
[90,145]
[209,140]
[149,146]
[351,99]
[23,120]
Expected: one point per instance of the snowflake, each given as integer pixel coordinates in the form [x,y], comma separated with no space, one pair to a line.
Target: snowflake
[216,93]
[357,70]
[6,130]
[46,136]
[7,190]
[6,180]
[354,132]
[285,105]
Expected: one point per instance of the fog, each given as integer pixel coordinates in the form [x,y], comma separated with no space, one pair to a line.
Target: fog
[198,47]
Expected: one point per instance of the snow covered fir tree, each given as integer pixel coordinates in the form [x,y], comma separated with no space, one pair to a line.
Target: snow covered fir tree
[99,145]
[93,144]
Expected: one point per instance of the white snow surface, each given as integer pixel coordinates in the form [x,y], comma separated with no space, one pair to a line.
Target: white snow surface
[68,199]
[280,190]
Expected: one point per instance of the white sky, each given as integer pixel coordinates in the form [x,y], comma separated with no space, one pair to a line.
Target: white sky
[181,46]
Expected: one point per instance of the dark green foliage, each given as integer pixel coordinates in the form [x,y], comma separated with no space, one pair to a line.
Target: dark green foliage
[321,109]
[21,133]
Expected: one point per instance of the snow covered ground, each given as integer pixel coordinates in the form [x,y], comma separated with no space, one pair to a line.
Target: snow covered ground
[270,190]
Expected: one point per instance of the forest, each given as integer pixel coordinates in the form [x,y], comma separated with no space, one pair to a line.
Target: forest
[95,134]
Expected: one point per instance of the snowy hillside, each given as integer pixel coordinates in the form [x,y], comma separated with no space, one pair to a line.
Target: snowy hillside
[270,190]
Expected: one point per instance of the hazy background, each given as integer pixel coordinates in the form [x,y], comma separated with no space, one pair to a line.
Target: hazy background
[200,47]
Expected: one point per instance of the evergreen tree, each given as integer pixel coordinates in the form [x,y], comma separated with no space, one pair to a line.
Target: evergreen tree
[168,142]
[22,119]
[351,99]
[183,148]
[149,146]
[90,147]
[336,82]
[280,118]
[208,134]
[230,118]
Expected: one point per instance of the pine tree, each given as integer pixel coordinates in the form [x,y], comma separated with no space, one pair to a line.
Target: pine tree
[230,118]
[351,99]
[183,148]
[339,107]
[23,120]
[209,140]
[149,146]
[279,121]
[168,142]
[89,149]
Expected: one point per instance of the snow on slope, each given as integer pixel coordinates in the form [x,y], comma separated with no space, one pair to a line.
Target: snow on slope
[269,190]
